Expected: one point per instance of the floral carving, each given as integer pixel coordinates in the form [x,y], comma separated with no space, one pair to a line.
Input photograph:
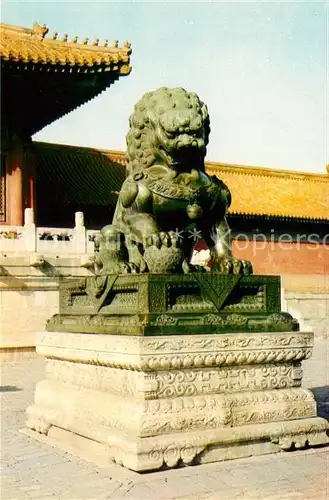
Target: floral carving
[10,235]
[212,319]
[164,320]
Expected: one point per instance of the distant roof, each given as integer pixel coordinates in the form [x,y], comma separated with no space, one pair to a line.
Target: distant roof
[70,175]
[93,176]
[24,45]
[274,193]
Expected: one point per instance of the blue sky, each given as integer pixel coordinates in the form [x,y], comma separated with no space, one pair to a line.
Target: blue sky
[259,66]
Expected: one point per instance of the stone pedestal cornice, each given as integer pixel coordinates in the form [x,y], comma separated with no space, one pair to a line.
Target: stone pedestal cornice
[176,351]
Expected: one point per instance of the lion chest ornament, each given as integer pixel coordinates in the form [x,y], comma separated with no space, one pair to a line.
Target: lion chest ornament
[168,201]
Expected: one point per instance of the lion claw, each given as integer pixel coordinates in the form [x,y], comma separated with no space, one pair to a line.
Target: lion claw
[162,239]
[233,266]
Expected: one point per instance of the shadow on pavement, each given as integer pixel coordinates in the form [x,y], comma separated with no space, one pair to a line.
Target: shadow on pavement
[321,395]
[9,388]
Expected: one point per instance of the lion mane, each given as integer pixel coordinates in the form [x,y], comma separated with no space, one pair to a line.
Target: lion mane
[165,121]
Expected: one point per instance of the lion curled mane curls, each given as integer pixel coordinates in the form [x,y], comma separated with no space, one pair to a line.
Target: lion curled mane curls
[166,121]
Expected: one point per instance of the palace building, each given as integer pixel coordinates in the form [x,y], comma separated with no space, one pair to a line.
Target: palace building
[272,211]
[44,77]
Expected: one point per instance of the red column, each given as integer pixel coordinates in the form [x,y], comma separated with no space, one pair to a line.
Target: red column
[20,181]
[14,187]
[30,180]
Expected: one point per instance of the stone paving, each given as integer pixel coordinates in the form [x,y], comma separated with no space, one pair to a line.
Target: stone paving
[34,470]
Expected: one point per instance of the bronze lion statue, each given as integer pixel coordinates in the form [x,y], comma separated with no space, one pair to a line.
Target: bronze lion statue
[168,201]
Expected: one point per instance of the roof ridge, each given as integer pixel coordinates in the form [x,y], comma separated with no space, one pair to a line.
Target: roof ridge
[12,27]
[266,171]
[40,32]
[75,147]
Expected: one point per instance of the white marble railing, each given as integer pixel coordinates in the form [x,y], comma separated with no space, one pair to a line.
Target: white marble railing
[39,244]
[48,240]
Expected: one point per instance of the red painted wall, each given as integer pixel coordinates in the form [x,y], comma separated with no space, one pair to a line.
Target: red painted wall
[273,257]
[284,257]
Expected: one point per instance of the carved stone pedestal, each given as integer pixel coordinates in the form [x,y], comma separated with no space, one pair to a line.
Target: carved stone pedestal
[149,402]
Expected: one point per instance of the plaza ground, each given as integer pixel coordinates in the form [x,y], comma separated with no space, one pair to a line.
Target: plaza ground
[34,470]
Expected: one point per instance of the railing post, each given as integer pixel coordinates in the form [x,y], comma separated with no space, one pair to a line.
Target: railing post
[80,234]
[29,233]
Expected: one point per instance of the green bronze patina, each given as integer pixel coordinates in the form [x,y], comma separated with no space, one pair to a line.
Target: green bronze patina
[145,283]
[166,304]
[167,196]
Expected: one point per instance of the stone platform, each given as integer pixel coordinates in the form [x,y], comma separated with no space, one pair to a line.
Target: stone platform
[149,402]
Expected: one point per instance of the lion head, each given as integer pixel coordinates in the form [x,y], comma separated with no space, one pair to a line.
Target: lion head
[170,126]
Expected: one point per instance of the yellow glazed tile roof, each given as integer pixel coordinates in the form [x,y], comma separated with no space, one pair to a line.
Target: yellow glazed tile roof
[35,46]
[255,191]
[274,193]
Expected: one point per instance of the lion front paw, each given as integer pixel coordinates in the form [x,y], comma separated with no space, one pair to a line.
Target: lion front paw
[233,266]
[162,253]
